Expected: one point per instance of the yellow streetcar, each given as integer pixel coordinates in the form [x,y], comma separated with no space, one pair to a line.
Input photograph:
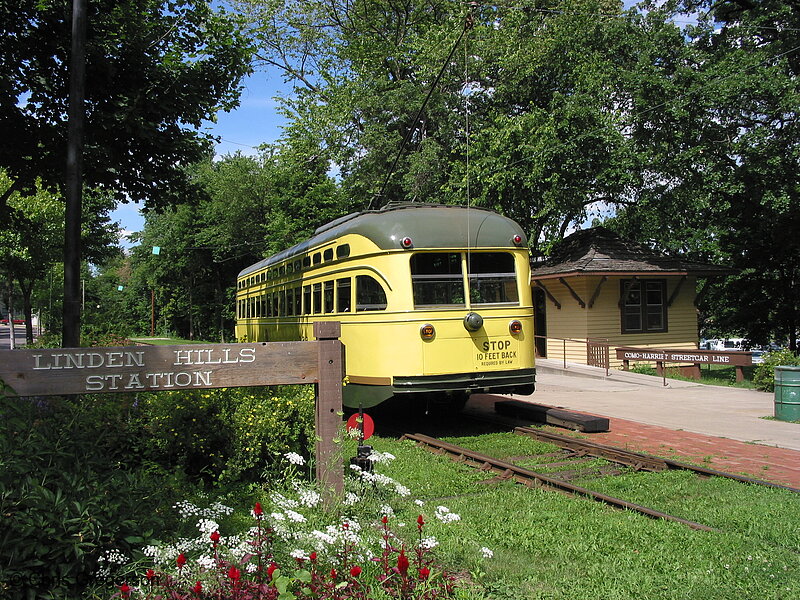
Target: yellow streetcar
[434,301]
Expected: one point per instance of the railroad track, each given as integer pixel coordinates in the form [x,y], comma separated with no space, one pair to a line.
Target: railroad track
[575,452]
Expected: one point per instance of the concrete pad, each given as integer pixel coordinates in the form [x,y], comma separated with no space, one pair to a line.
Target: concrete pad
[682,406]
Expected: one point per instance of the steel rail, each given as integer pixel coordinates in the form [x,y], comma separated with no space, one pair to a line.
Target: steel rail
[532,478]
[638,460]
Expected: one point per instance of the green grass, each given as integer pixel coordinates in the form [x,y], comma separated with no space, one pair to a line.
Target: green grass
[709,375]
[547,545]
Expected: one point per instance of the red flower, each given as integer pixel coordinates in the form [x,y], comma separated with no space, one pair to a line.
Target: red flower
[234,574]
[333,574]
[420,521]
[271,569]
[125,590]
[215,537]
[402,562]
[181,560]
[384,519]
[355,571]
[150,574]
[312,556]
[424,572]
[257,510]
[198,588]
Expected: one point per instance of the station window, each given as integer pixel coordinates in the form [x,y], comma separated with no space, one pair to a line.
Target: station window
[343,251]
[369,294]
[327,255]
[437,279]
[343,297]
[492,278]
[643,305]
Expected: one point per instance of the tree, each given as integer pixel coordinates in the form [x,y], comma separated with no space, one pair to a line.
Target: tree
[33,240]
[723,160]
[156,71]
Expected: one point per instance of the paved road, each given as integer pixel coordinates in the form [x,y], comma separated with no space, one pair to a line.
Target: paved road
[19,336]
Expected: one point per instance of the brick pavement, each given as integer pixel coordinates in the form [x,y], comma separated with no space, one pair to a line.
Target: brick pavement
[778,465]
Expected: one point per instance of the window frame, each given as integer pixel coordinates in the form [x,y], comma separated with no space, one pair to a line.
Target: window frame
[644,308]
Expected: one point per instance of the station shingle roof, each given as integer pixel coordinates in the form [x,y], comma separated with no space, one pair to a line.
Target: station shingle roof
[600,250]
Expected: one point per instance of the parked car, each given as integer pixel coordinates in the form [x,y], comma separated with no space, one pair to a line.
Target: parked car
[16,321]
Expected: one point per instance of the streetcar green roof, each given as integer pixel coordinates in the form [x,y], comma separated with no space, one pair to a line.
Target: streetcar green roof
[428,226]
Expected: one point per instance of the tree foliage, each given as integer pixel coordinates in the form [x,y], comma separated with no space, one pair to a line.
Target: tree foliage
[723,162]
[156,71]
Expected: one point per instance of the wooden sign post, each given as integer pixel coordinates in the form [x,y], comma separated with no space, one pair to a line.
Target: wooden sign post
[62,371]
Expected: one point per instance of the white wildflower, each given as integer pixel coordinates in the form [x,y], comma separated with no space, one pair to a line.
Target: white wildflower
[445,516]
[486,552]
[295,516]
[298,554]
[294,458]
[206,562]
[419,502]
[428,543]
[350,499]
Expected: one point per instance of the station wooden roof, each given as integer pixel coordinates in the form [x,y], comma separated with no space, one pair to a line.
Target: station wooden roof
[600,250]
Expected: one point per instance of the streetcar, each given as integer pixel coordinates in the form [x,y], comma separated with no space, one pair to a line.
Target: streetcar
[434,302]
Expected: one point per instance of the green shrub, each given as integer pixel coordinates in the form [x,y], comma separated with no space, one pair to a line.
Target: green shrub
[227,434]
[764,375]
[68,494]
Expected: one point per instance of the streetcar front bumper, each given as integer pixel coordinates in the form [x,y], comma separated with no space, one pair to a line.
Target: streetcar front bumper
[517,381]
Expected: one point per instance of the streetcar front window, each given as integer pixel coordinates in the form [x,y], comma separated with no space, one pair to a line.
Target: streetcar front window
[492,278]
[437,279]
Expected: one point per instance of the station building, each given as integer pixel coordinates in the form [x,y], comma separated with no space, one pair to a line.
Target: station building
[600,291]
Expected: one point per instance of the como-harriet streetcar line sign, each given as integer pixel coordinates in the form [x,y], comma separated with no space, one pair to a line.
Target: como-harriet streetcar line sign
[60,371]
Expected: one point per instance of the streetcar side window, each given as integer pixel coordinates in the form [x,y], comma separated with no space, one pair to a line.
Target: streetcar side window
[298,302]
[343,299]
[369,294]
[306,299]
[343,251]
[492,278]
[328,296]
[327,255]
[317,298]
[436,279]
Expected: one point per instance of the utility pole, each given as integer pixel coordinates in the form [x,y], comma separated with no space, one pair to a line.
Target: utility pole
[74,178]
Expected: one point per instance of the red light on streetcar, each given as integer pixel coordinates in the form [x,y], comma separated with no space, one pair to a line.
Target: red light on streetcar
[515,327]
[406,242]
[517,239]
[426,332]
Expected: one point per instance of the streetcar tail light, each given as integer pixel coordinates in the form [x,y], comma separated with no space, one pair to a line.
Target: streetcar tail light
[426,332]
[515,327]
[406,242]
[517,239]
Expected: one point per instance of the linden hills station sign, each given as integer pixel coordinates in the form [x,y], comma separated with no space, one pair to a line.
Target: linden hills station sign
[152,368]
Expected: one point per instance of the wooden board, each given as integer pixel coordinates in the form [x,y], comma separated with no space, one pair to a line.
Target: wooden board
[56,371]
[552,416]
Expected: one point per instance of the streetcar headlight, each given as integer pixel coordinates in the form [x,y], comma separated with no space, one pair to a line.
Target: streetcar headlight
[515,327]
[406,242]
[473,321]
[427,332]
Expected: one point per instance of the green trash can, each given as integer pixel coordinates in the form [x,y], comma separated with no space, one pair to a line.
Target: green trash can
[787,393]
